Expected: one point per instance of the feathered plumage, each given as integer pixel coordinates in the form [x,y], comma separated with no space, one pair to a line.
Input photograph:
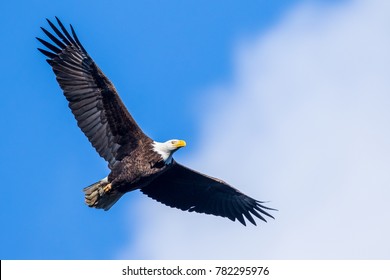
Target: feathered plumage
[135,160]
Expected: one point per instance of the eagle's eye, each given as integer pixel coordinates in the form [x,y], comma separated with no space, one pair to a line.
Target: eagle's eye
[172,142]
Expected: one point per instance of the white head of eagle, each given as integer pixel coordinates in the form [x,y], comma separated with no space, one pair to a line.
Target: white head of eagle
[166,149]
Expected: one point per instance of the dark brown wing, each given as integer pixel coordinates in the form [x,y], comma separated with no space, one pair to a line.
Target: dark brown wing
[93,99]
[183,188]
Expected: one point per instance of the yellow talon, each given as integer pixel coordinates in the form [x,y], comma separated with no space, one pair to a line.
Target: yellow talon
[107,188]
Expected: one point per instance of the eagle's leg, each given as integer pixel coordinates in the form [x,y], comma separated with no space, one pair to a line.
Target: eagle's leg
[107,188]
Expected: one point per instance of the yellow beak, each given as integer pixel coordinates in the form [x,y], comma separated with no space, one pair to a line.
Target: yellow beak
[181,143]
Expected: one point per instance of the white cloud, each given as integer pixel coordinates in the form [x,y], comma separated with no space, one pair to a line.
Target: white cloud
[306,124]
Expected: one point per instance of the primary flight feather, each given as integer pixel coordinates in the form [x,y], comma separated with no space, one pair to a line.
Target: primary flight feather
[135,160]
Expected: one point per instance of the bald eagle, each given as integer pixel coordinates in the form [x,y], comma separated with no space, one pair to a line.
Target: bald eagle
[134,159]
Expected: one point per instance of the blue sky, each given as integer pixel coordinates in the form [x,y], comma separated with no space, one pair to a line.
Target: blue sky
[183,70]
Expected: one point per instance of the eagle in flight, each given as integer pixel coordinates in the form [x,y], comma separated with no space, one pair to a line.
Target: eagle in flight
[135,160]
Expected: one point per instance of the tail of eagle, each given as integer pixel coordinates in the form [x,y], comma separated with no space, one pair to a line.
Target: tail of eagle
[100,195]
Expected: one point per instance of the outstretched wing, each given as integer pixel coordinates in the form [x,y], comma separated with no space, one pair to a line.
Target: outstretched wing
[183,188]
[93,99]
